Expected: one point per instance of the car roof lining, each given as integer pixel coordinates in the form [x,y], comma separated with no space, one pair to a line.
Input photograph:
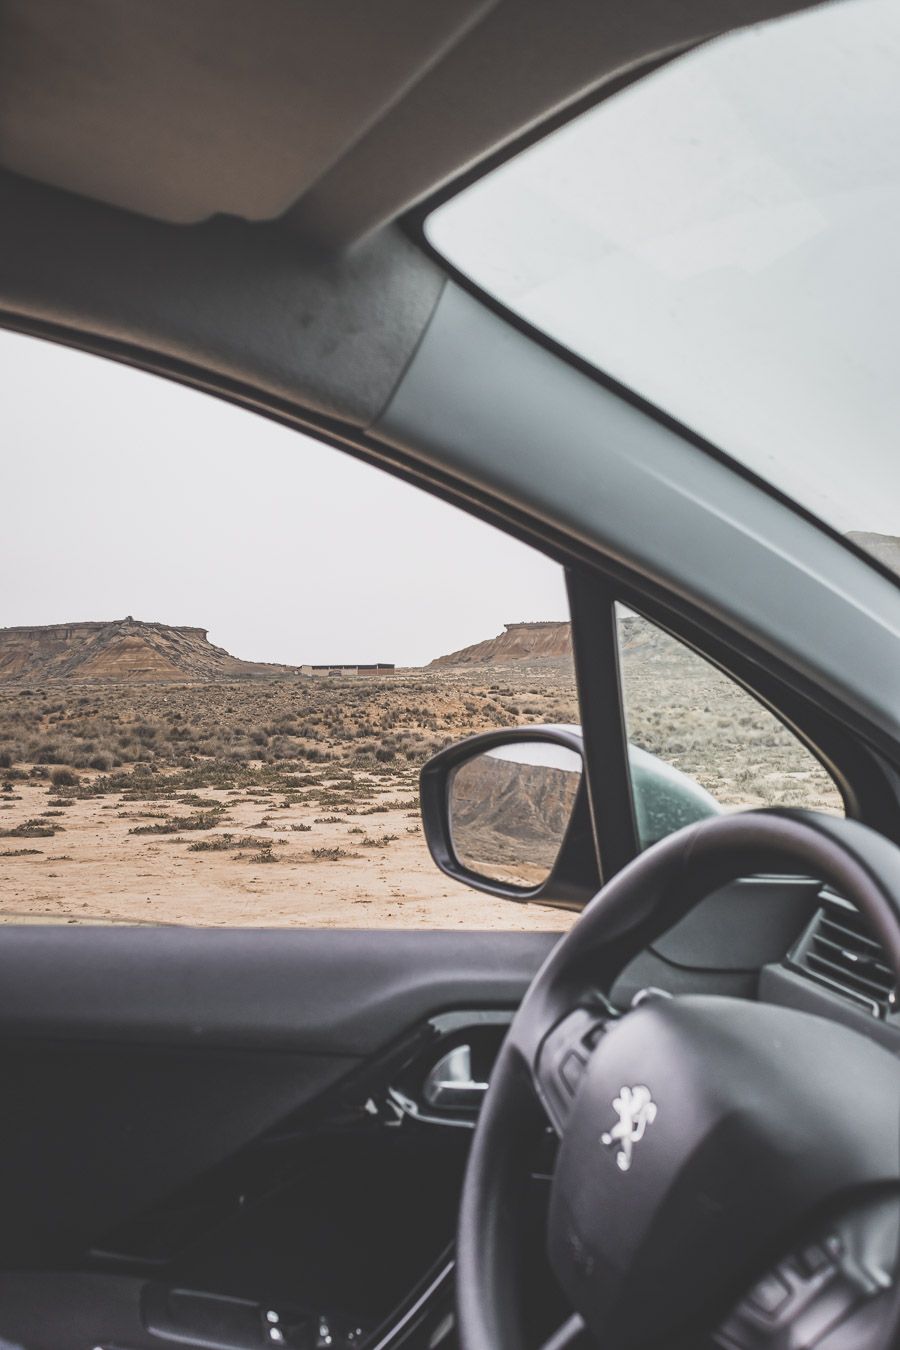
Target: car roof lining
[333,120]
[185,109]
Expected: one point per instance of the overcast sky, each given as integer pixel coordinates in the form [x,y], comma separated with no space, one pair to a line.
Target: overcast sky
[723,236]
[126,494]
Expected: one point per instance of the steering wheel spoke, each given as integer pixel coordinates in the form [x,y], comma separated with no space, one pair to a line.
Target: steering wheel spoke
[826,1282]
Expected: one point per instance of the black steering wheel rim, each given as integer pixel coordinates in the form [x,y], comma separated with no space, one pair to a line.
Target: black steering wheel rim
[640,903]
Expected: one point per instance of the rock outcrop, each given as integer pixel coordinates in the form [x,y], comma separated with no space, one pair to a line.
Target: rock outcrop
[121,650]
[545,641]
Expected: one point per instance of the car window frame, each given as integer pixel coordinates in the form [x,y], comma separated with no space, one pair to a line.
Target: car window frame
[864,780]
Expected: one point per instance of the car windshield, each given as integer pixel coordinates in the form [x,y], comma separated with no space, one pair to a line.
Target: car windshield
[721,237]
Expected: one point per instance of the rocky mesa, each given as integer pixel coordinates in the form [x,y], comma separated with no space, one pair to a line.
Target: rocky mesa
[549,640]
[120,650]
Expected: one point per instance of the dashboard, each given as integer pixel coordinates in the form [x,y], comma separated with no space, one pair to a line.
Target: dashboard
[783,940]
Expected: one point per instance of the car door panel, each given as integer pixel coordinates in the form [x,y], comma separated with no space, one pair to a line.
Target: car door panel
[318,991]
[213,1107]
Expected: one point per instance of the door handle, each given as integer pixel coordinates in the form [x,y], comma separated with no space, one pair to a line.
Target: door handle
[450,1084]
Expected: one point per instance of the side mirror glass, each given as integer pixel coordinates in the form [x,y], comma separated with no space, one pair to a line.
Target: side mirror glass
[509,809]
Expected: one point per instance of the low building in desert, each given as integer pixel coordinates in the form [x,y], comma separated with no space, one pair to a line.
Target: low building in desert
[378,668]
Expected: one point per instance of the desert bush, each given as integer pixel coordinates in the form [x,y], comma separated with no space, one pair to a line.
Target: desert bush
[31,829]
[220,843]
[64,778]
[45,752]
[202,820]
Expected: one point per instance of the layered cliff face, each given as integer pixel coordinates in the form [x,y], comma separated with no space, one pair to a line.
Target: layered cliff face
[550,641]
[121,650]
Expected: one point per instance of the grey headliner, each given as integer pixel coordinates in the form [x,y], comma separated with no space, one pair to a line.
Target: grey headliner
[184,109]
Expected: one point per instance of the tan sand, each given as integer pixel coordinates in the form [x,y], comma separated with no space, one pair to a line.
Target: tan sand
[93,870]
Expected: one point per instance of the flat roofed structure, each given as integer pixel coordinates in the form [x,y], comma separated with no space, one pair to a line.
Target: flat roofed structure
[376,668]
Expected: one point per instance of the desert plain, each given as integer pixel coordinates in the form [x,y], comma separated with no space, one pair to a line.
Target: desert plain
[290,800]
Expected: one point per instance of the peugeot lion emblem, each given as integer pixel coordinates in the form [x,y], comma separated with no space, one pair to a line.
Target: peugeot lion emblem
[636,1110]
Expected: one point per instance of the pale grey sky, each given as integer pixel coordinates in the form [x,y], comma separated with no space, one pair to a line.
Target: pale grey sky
[723,236]
[126,494]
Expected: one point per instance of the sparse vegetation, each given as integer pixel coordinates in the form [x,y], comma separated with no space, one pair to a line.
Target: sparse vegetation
[184,779]
[64,778]
[201,820]
[33,828]
[221,843]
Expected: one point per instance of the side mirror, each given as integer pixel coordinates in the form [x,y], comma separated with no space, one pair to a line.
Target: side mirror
[506,812]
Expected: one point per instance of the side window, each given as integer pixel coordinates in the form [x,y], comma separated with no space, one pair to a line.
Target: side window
[699,743]
[225,653]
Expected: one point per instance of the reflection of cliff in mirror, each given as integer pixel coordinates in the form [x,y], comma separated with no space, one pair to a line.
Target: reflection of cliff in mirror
[509,810]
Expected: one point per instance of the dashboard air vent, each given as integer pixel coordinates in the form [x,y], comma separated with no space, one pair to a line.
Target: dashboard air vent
[838,950]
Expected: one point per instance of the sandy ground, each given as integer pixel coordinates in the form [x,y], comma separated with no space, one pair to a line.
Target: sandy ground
[94,870]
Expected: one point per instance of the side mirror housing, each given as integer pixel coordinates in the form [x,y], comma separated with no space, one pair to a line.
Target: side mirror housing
[506,812]
[665,799]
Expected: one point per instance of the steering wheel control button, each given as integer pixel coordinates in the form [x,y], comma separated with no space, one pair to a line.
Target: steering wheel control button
[812,1260]
[770,1294]
[571,1071]
[563,1059]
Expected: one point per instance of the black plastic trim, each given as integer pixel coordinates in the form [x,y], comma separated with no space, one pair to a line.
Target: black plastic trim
[595,650]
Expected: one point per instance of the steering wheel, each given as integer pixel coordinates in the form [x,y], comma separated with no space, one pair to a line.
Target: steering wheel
[707,1145]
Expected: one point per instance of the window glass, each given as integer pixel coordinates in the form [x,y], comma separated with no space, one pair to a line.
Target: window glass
[721,237]
[700,743]
[225,653]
